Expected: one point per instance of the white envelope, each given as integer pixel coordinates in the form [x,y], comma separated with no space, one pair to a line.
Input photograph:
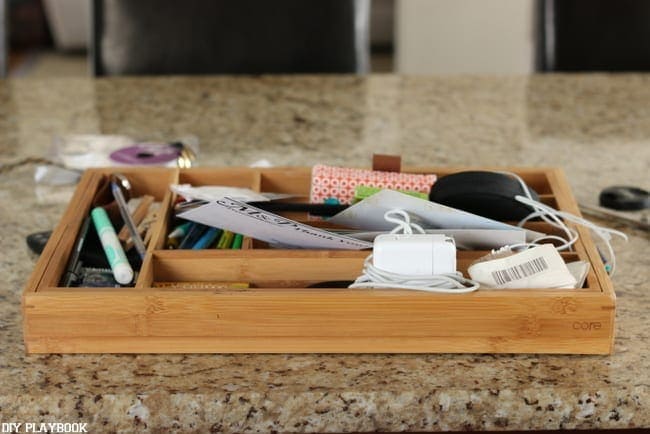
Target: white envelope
[369,215]
[465,239]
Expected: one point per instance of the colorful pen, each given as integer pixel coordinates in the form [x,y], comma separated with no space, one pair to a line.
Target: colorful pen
[180,231]
[226,240]
[193,235]
[207,239]
[237,241]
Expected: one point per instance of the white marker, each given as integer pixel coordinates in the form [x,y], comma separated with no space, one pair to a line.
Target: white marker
[122,270]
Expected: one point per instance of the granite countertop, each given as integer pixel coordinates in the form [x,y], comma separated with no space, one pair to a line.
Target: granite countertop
[597,127]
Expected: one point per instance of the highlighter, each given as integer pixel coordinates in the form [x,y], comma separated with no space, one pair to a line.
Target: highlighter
[226,240]
[120,266]
[237,241]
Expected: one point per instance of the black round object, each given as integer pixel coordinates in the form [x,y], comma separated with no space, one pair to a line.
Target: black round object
[488,194]
[624,198]
[37,241]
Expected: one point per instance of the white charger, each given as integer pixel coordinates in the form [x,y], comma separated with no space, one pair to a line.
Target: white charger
[420,262]
[415,254]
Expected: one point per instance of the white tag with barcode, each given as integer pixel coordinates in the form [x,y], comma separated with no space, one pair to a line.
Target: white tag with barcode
[537,267]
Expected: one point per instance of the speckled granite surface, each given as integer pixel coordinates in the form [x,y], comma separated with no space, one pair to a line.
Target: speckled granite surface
[595,126]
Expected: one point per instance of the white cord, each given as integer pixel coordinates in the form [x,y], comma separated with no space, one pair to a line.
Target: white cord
[404,224]
[373,277]
[556,219]
[451,283]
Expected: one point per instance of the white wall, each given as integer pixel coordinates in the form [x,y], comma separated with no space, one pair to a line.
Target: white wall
[70,23]
[464,36]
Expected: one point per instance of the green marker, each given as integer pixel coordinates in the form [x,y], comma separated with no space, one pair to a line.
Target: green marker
[120,266]
[237,241]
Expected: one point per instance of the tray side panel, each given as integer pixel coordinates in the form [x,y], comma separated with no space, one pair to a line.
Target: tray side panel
[414,345]
[567,202]
[375,321]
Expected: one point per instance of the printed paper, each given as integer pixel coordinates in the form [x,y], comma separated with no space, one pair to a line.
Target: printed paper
[279,231]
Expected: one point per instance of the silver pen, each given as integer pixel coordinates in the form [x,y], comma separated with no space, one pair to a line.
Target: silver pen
[128,221]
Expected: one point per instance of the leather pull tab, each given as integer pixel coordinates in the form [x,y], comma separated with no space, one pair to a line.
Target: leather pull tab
[387,163]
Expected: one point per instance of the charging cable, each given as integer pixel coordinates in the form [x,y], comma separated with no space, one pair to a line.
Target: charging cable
[557,219]
[373,277]
[404,224]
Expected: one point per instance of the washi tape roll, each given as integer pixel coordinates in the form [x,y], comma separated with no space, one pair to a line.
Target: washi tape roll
[340,182]
[145,154]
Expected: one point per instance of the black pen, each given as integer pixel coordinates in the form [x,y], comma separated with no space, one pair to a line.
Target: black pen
[319,209]
[70,274]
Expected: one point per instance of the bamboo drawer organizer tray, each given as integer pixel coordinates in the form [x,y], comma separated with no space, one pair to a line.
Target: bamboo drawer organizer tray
[278,313]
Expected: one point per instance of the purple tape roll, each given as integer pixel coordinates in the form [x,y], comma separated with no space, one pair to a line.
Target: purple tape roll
[146,153]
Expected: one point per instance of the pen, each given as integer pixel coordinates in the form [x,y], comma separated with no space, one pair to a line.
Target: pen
[193,235]
[70,274]
[208,238]
[226,240]
[180,231]
[237,241]
[320,209]
[128,221]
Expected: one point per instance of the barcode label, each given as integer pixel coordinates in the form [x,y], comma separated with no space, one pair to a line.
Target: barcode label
[521,271]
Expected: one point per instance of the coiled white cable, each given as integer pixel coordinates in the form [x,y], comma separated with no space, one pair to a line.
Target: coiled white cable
[373,277]
[452,283]
[557,219]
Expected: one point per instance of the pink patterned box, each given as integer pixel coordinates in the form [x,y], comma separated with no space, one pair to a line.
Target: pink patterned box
[340,182]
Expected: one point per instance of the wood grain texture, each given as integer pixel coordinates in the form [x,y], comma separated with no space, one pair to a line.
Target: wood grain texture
[307,313]
[54,258]
[288,344]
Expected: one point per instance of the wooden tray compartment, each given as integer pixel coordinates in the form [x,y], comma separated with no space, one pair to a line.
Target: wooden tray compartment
[278,313]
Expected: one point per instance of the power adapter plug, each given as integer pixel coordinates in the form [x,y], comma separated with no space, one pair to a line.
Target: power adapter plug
[418,262]
[415,254]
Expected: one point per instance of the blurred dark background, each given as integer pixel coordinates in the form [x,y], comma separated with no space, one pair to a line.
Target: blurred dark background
[106,37]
